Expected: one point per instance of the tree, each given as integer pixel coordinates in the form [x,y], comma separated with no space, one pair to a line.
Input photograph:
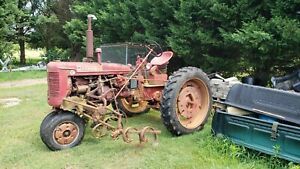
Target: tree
[52,31]
[228,36]
[23,24]
[155,18]
[269,42]
[75,31]
[44,34]
[48,29]
[269,46]
[123,21]
[116,22]
[196,35]
[256,37]
[7,17]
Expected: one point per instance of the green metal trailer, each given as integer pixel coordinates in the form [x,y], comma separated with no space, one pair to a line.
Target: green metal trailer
[263,119]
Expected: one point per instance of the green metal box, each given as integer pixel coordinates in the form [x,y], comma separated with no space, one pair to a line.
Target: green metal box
[269,137]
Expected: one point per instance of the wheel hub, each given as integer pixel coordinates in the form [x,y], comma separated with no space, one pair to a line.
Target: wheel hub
[65,133]
[189,104]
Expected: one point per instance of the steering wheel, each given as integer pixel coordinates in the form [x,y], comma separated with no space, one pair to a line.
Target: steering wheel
[157,50]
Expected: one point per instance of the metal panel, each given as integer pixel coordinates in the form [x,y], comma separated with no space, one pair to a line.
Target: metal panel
[271,102]
[257,134]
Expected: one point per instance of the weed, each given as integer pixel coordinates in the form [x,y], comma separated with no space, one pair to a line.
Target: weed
[245,155]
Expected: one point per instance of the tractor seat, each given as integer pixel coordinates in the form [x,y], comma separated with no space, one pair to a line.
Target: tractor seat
[162,59]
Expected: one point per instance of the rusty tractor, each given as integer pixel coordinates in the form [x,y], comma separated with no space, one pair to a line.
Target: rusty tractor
[81,92]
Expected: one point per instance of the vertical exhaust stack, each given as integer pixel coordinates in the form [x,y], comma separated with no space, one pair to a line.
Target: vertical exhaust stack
[99,53]
[90,38]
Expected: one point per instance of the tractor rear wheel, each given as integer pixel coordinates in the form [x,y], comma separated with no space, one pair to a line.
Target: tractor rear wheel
[131,108]
[60,130]
[186,101]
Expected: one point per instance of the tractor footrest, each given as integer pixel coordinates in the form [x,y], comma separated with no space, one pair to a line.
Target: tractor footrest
[156,85]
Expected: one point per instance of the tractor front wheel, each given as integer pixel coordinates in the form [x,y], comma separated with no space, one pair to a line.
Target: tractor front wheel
[186,101]
[60,130]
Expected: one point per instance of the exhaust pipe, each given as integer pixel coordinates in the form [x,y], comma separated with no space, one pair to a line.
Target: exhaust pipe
[90,38]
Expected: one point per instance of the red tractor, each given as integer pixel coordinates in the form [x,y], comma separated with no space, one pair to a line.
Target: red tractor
[81,92]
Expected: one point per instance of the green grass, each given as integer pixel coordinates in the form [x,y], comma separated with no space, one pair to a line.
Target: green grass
[21,146]
[13,76]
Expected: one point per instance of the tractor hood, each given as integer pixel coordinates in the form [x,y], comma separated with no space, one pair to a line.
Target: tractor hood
[88,68]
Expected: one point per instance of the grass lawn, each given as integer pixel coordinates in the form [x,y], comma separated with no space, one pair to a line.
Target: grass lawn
[21,146]
[13,76]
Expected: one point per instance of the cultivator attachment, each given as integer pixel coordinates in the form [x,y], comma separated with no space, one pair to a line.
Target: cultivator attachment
[107,120]
[126,134]
[101,130]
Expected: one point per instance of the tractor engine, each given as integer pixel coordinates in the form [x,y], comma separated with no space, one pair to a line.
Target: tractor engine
[85,80]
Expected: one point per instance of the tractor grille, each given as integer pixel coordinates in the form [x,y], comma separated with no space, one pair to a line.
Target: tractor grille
[53,84]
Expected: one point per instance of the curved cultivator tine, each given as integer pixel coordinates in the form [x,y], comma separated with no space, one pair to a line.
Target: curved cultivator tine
[148,130]
[127,132]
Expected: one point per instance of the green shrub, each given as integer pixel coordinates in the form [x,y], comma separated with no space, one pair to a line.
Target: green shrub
[56,54]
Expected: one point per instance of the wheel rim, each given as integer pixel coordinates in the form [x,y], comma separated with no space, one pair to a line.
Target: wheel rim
[134,107]
[192,103]
[66,133]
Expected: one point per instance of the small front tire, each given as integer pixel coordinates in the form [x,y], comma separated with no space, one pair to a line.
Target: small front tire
[61,130]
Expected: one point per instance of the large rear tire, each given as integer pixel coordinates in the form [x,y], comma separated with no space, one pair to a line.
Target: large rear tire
[60,130]
[132,109]
[186,102]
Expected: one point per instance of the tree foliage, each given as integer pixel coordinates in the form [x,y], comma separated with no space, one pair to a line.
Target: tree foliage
[229,36]
[24,23]
[257,37]
[7,19]
[49,32]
